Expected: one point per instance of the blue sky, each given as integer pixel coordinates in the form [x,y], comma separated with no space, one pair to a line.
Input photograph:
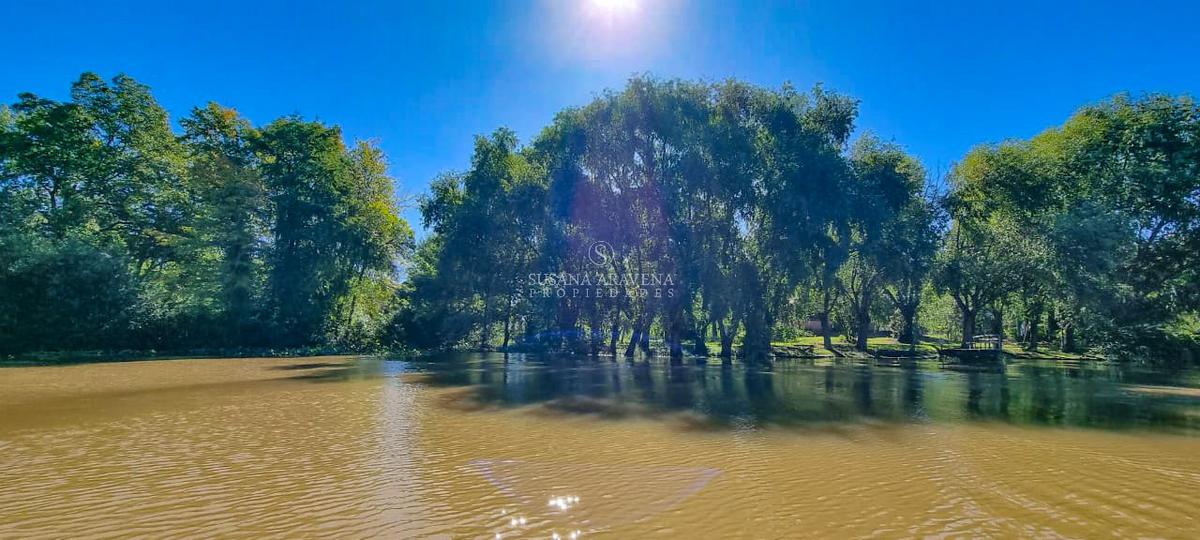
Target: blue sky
[424,78]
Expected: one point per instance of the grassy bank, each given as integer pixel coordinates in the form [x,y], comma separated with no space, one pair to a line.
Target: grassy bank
[880,345]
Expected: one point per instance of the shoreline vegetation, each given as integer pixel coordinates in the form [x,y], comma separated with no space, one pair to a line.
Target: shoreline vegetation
[675,218]
[809,348]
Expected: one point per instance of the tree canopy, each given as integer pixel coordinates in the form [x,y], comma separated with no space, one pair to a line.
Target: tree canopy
[668,215]
[120,233]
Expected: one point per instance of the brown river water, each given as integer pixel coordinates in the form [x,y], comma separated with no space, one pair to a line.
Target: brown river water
[488,446]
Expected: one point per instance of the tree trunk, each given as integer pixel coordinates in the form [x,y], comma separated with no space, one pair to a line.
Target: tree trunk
[1033,316]
[908,330]
[674,344]
[507,323]
[1032,335]
[864,330]
[614,333]
[645,341]
[756,345]
[634,339]
[353,304]
[727,332]
[485,332]
[1051,325]
[998,327]
[673,332]
[700,347]
[826,330]
[968,328]
[596,331]
[1068,338]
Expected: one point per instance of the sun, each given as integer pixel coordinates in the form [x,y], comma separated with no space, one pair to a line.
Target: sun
[613,8]
[606,33]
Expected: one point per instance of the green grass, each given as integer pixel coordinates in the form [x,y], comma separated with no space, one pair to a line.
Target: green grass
[1017,351]
[927,345]
[876,344]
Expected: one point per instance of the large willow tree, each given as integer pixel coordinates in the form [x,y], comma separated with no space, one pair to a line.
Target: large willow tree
[735,192]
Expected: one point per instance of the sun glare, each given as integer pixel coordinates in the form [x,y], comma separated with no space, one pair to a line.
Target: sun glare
[612,34]
[612,8]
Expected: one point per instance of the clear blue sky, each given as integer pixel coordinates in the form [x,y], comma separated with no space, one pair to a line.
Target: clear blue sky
[424,78]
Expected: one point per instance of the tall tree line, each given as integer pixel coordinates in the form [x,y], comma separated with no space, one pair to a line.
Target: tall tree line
[681,216]
[118,232]
[747,198]
[1086,235]
[771,215]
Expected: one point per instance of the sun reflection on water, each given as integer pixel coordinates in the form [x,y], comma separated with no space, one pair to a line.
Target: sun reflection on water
[564,503]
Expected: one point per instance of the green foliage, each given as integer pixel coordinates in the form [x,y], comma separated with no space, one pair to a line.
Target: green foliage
[117,233]
[1095,223]
[65,295]
[485,224]
[230,222]
[739,193]
[889,231]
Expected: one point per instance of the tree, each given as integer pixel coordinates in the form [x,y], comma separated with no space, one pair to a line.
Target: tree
[66,295]
[100,174]
[335,223]
[1102,208]
[152,240]
[375,239]
[803,219]
[885,182]
[976,268]
[486,222]
[232,218]
[911,243]
[1142,159]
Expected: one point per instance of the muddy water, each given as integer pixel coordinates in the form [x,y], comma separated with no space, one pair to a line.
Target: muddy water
[480,446]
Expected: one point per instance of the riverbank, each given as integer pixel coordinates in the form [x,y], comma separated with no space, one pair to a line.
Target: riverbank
[881,346]
[50,358]
[809,347]
[927,346]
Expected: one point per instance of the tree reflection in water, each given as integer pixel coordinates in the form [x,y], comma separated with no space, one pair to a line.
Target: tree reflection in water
[798,393]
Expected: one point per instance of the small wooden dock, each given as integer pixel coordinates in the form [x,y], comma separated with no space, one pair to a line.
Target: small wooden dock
[985,353]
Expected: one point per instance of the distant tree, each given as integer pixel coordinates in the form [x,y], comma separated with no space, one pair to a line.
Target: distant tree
[375,241]
[63,295]
[802,195]
[100,174]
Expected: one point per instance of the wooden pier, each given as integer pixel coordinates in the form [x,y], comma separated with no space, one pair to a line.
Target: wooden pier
[984,354]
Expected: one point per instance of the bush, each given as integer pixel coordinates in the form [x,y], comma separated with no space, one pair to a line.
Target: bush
[62,296]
